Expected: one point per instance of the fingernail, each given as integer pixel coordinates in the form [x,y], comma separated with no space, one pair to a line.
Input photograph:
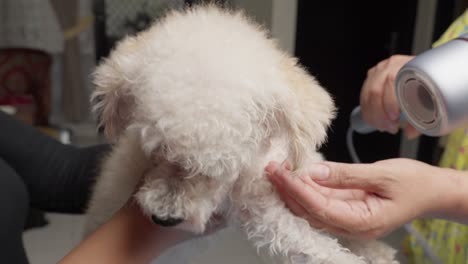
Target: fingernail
[318,172]
[270,168]
[271,164]
[274,173]
[279,171]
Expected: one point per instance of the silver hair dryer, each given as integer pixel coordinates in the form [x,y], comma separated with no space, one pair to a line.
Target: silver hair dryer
[432,90]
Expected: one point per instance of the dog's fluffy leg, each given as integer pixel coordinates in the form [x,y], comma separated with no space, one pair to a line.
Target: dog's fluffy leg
[268,223]
[120,174]
[375,252]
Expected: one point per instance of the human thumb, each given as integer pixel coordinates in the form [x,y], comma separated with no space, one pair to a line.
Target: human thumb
[344,175]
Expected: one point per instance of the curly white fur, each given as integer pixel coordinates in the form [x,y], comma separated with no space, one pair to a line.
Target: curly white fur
[199,104]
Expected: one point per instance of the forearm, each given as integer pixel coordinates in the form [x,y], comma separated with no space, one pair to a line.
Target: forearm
[129,237]
[452,199]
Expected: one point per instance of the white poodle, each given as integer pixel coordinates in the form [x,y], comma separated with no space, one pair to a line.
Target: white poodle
[198,105]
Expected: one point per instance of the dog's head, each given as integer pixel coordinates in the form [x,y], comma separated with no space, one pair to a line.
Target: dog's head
[204,89]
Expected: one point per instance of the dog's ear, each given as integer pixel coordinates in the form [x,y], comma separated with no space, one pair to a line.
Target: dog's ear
[111,101]
[308,119]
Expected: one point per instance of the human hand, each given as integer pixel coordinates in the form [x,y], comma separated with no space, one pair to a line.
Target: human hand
[378,100]
[157,239]
[131,237]
[367,200]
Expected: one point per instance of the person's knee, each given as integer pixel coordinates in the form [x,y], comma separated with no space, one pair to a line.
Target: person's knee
[14,201]
[14,204]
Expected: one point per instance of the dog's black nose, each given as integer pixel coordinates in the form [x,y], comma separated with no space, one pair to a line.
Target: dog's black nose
[166,222]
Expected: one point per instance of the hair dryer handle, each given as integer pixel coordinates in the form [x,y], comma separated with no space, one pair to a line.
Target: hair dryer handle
[358,124]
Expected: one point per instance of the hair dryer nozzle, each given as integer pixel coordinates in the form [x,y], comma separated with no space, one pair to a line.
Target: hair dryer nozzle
[432,89]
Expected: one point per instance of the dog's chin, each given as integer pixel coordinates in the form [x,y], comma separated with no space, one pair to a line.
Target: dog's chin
[192,226]
[164,213]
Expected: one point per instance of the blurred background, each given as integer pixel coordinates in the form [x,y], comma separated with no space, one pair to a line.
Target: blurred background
[48,50]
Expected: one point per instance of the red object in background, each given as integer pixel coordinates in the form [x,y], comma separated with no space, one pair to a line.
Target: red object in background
[25,83]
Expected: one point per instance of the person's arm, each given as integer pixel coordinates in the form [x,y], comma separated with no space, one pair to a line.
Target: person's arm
[370,200]
[129,237]
[455,206]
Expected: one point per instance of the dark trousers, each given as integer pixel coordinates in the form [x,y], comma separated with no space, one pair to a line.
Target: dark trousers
[40,172]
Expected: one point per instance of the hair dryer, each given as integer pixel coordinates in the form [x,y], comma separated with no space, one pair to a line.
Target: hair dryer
[432,90]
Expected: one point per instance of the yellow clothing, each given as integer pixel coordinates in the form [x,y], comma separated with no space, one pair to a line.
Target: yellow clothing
[457,28]
[448,240]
